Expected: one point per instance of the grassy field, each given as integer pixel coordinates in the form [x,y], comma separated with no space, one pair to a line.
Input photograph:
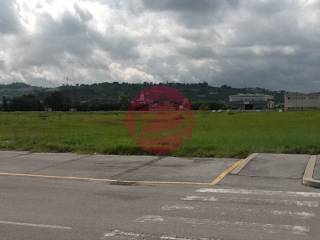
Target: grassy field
[215,134]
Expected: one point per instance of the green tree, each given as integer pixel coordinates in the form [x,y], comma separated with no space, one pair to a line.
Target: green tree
[5,106]
[204,107]
[123,101]
[57,102]
[26,103]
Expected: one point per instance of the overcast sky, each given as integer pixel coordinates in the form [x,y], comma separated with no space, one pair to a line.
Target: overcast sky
[243,43]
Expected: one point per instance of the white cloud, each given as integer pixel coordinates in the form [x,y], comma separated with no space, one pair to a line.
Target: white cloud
[129,74]
[266,43]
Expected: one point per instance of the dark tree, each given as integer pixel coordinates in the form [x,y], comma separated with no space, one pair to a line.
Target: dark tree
[123,101]
[5,106]
[57,102]
[26,103]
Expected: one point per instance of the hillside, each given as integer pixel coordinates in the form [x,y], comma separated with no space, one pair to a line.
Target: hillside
[18,89]
[106,95]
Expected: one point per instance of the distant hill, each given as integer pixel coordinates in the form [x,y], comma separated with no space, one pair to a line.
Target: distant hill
[109,92]
[18,89]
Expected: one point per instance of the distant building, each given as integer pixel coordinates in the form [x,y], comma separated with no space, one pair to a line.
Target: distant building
[300,101]
[251,101]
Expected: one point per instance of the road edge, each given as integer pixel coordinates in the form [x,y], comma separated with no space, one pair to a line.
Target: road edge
[244,163]
[308,174]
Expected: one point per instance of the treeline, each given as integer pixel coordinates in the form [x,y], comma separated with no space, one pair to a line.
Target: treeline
[56,101]
[53,102]
[114,96]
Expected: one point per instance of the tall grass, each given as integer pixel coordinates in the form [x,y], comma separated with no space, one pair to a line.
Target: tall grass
[214,134]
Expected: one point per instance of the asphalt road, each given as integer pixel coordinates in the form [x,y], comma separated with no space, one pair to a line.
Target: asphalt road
[63,196]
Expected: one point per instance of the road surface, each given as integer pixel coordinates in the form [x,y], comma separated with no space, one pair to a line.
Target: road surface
[64,196]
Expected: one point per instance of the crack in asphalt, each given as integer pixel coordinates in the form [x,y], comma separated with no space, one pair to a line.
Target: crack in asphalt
[137,167]
[59,164]
[19,155]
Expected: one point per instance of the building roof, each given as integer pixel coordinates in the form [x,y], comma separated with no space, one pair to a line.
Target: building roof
[251,95]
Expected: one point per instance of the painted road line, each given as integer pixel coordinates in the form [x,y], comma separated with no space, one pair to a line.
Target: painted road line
[303,215]
[308,174]
[35,225]
[244,163]
[176,207]
[135,236]
[118,233]
[150,218]
[102,180]
[178,238]
[310,168]
[55,177]
[268,228]
[221,176]
[251,211]
[260,192]
[310,204]
[200,199]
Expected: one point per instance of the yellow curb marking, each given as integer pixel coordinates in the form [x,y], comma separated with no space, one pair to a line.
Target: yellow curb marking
[101,179]
[222,175]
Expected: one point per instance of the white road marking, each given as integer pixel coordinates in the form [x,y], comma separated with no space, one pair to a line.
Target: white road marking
[176,207]
[269,228]
[35,225]
[150,218]
[179,238]
[136,236]
[200,198]
[290,213]
[260,192]
[120,233]
[235,210]
[173,238]
[310,204]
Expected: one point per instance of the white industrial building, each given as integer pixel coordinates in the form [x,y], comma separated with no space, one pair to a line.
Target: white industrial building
[296,101]
[251,101]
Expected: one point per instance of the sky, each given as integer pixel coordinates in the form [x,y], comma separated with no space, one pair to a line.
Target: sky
[273,44]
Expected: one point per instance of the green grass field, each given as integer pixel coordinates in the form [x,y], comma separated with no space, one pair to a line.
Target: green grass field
[215,134]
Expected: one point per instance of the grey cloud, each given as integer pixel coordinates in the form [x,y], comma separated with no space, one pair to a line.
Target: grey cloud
[9,19]
[198,52]
[71,36]
[2,65]
[119,47]
[69,25]
[55,39]
[83,14]
[270,7]
[243,43]
[190,6]
[194,13]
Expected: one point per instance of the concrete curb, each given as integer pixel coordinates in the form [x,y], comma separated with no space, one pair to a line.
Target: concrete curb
[244,163]
[308,174]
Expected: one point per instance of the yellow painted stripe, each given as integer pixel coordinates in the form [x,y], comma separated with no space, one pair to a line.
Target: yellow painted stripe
[222,175]
[100,179]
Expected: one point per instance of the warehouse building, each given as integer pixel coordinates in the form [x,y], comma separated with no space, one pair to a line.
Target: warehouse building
[300,101]
[251,101]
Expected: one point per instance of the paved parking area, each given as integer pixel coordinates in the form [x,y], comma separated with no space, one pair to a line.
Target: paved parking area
[266,200]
